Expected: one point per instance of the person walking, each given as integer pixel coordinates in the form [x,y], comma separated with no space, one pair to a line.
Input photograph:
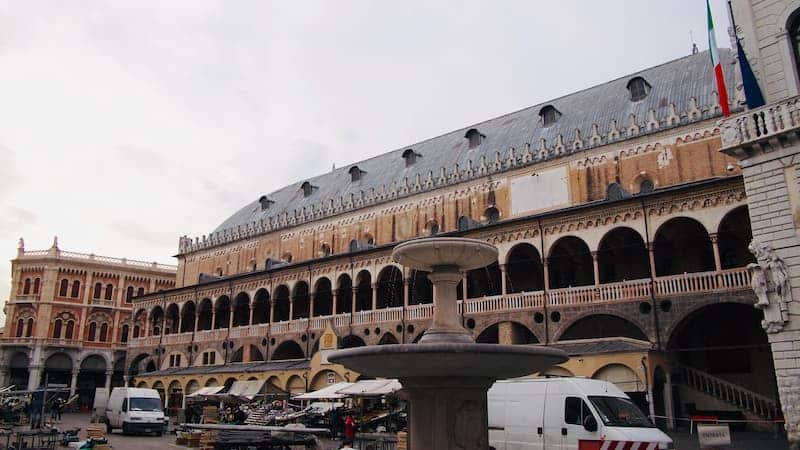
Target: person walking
[36,405]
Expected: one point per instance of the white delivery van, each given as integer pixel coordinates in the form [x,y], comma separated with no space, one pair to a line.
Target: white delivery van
[555,413]
[135,410]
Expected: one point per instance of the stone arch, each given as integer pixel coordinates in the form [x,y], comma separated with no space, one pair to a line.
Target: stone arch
[517,333]
[188,313]
[390,287]
[388,338]
[261,307]
[363,291]
[596,326]
[205,315]
[211,382]
[301,297]
[171,318]
[156,318]
[222,311]
[295,385]
[733,238]
[241,310]
[344,294]
[287,350]
[622,255]
[192,386]
[557,371]
[142,384]
[18,369]
[485,281]
[625,378]
[524,269]
[682,245]
[281,299]
[238,355]
[255,353]
[323,378]
[351,341]
[58,368]
[137,363]
[420,290]
[570,263]
[323,297]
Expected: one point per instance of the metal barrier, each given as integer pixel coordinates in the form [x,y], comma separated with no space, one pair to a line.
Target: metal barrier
[375,441]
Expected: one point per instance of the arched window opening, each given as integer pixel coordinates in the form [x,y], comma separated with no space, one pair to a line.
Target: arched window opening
[363,291]
[222,312]
[646,186]
[136,331]
[68,333]
[188,317]
[344,295]
[57,329]
[241,310]
[570,264]
[265,202]
[549,115]
[474,137]
[98,287]
[129,294]
[104,332]
[355,173]
[524,269]
[324,250]
[681,246]
[421,288]
[353,246]
[171,319]
[156,320]
[92,331]
[109,291]
[307,188]
[63,288]
[733,238]
[288,350]
[124,335]
[390,288]
[622,255]
[492,215]
[20,328]
[140,292]
[29,328]
[76,289]
[26,288]
[204,315]
[465,223]
[323,298]
[261,307]
[484,282]
[281,303]
[638,88]
[36,283]
[301,299]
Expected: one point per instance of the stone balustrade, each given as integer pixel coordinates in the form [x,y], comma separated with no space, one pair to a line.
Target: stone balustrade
[753,127]
[661,287]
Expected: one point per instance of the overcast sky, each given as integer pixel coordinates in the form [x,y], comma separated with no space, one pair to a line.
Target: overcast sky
[124,125]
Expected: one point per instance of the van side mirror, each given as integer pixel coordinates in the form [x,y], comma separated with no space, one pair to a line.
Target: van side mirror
[590,423]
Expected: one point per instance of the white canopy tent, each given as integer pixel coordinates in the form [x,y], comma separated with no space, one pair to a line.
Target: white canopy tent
[207,393]
[371,388]
[328,392]
[246,390]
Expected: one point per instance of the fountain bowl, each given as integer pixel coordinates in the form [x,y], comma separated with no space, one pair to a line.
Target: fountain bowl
[458,253]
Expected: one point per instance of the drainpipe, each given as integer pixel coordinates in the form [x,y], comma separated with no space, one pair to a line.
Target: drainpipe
[652,277]
[545,284]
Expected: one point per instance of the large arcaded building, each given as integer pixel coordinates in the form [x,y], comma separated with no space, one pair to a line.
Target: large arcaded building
[68,317]
[622,231]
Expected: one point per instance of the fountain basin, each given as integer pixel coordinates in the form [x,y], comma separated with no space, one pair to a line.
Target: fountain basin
[404,361]
[461,254]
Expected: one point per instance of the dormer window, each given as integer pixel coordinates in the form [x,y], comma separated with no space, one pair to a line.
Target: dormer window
[549,115]
[265,202]
[410,156]
[474,137]
[307,188]
[355,173]
[639,88]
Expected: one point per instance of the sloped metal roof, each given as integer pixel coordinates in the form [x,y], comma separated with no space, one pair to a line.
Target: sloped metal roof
[675,82]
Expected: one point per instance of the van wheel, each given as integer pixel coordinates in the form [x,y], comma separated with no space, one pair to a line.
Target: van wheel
[125,430]
[109,428]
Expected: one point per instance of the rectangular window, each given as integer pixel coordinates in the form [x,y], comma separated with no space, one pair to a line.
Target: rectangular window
[212,358]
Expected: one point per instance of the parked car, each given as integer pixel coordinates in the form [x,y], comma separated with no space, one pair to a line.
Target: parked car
[135,410]
[556,413]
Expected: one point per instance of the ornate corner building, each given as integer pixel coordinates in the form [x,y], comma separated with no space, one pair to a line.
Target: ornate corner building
[623,234]
[68,318]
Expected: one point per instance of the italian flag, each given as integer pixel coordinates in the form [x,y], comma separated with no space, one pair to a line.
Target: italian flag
[712,47]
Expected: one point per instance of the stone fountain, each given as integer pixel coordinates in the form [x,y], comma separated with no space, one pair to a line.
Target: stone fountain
[445,377]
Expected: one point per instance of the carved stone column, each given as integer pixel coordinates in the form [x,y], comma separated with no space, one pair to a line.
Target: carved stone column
[596,265]
[503,279]
[73,383]
[312,297]
[374,296]
[715,245]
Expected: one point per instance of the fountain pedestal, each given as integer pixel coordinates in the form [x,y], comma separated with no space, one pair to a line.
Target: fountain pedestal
[446,376]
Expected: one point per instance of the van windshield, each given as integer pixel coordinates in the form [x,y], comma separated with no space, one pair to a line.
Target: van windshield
[619,412]
[145,404]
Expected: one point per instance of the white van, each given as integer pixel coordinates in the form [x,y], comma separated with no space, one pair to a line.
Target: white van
[555,413]
[135,410]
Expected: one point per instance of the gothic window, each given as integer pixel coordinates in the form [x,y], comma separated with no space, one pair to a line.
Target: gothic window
[219,271]
[70,328]
[474,137]
[129,294]
[140,292]
[464,223]
[104,332]
[36,282]
[353,245]
[20,327]
[76,289]
[57,329]
[325,250]
[639,88]
[92,331]
[124,337]
[410,156]
[136,331]
[549,115]
[109,291]
[646,186]
[98,287]
[63,288]
[265,202]
[29,329]
[27,287]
